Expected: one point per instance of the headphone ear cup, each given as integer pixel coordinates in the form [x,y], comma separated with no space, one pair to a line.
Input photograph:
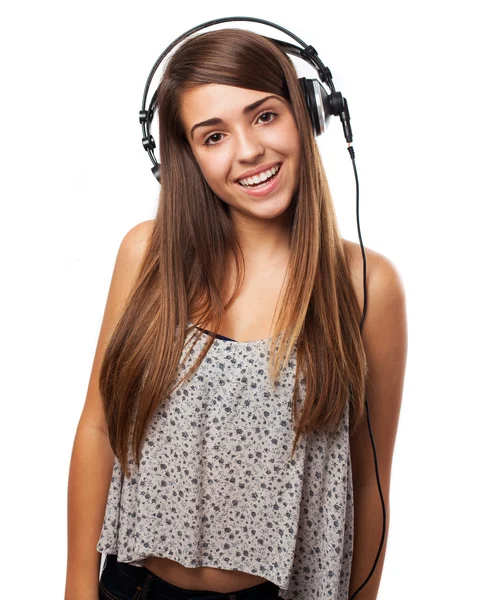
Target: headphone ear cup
[310,104]
[318,104]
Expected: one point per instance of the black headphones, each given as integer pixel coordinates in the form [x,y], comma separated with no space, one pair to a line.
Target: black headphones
[321,105]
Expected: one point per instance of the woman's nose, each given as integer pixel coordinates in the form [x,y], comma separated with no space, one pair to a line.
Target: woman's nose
[249,147]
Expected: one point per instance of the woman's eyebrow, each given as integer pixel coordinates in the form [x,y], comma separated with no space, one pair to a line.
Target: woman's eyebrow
[247,109]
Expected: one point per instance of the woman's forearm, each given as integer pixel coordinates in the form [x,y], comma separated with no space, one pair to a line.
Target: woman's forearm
[89,480]
[367,538]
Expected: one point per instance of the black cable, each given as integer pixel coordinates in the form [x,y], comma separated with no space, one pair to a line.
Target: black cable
[352,155]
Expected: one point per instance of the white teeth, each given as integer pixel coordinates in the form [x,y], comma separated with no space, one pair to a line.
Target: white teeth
[255,179]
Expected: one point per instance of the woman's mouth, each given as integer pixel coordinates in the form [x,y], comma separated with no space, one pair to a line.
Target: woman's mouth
[263,183]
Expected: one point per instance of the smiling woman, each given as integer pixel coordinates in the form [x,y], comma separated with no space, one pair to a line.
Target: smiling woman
[255,133]
[233,379]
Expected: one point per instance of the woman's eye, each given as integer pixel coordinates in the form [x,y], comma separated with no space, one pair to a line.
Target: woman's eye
[270,113]
[208,143]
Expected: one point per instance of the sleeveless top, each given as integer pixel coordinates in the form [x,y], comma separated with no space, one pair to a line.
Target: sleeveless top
[216,486]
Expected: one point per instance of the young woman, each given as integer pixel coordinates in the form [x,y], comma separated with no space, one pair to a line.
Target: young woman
[224,440]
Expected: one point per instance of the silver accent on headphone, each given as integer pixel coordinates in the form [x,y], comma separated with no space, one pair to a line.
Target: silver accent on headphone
[322,103]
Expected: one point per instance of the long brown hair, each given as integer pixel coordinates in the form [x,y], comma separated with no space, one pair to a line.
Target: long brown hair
[183,269]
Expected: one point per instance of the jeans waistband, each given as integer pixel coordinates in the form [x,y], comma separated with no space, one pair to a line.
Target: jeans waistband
[263,591]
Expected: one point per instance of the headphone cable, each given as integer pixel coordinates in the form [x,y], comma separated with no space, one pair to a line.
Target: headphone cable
[352,155]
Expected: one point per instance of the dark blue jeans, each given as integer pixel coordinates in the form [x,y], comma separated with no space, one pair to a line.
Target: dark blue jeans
[121,581]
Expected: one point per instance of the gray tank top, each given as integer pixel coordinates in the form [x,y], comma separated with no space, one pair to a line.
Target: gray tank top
[216,486]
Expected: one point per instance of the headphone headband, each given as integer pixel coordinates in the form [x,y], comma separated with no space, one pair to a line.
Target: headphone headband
[321,104]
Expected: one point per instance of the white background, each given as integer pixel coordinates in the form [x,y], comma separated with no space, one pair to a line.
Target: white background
[75,178]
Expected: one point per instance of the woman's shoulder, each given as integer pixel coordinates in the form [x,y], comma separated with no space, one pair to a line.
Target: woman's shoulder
[140,232]
[134,245]
[381,272]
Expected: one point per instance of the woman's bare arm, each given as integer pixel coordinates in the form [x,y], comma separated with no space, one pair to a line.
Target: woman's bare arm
[92,457]
[385,340]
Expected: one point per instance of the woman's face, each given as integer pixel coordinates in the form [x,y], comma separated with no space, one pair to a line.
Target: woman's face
[235,134]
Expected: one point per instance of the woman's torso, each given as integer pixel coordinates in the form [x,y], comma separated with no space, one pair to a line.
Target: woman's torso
[249,318]
[201,578]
